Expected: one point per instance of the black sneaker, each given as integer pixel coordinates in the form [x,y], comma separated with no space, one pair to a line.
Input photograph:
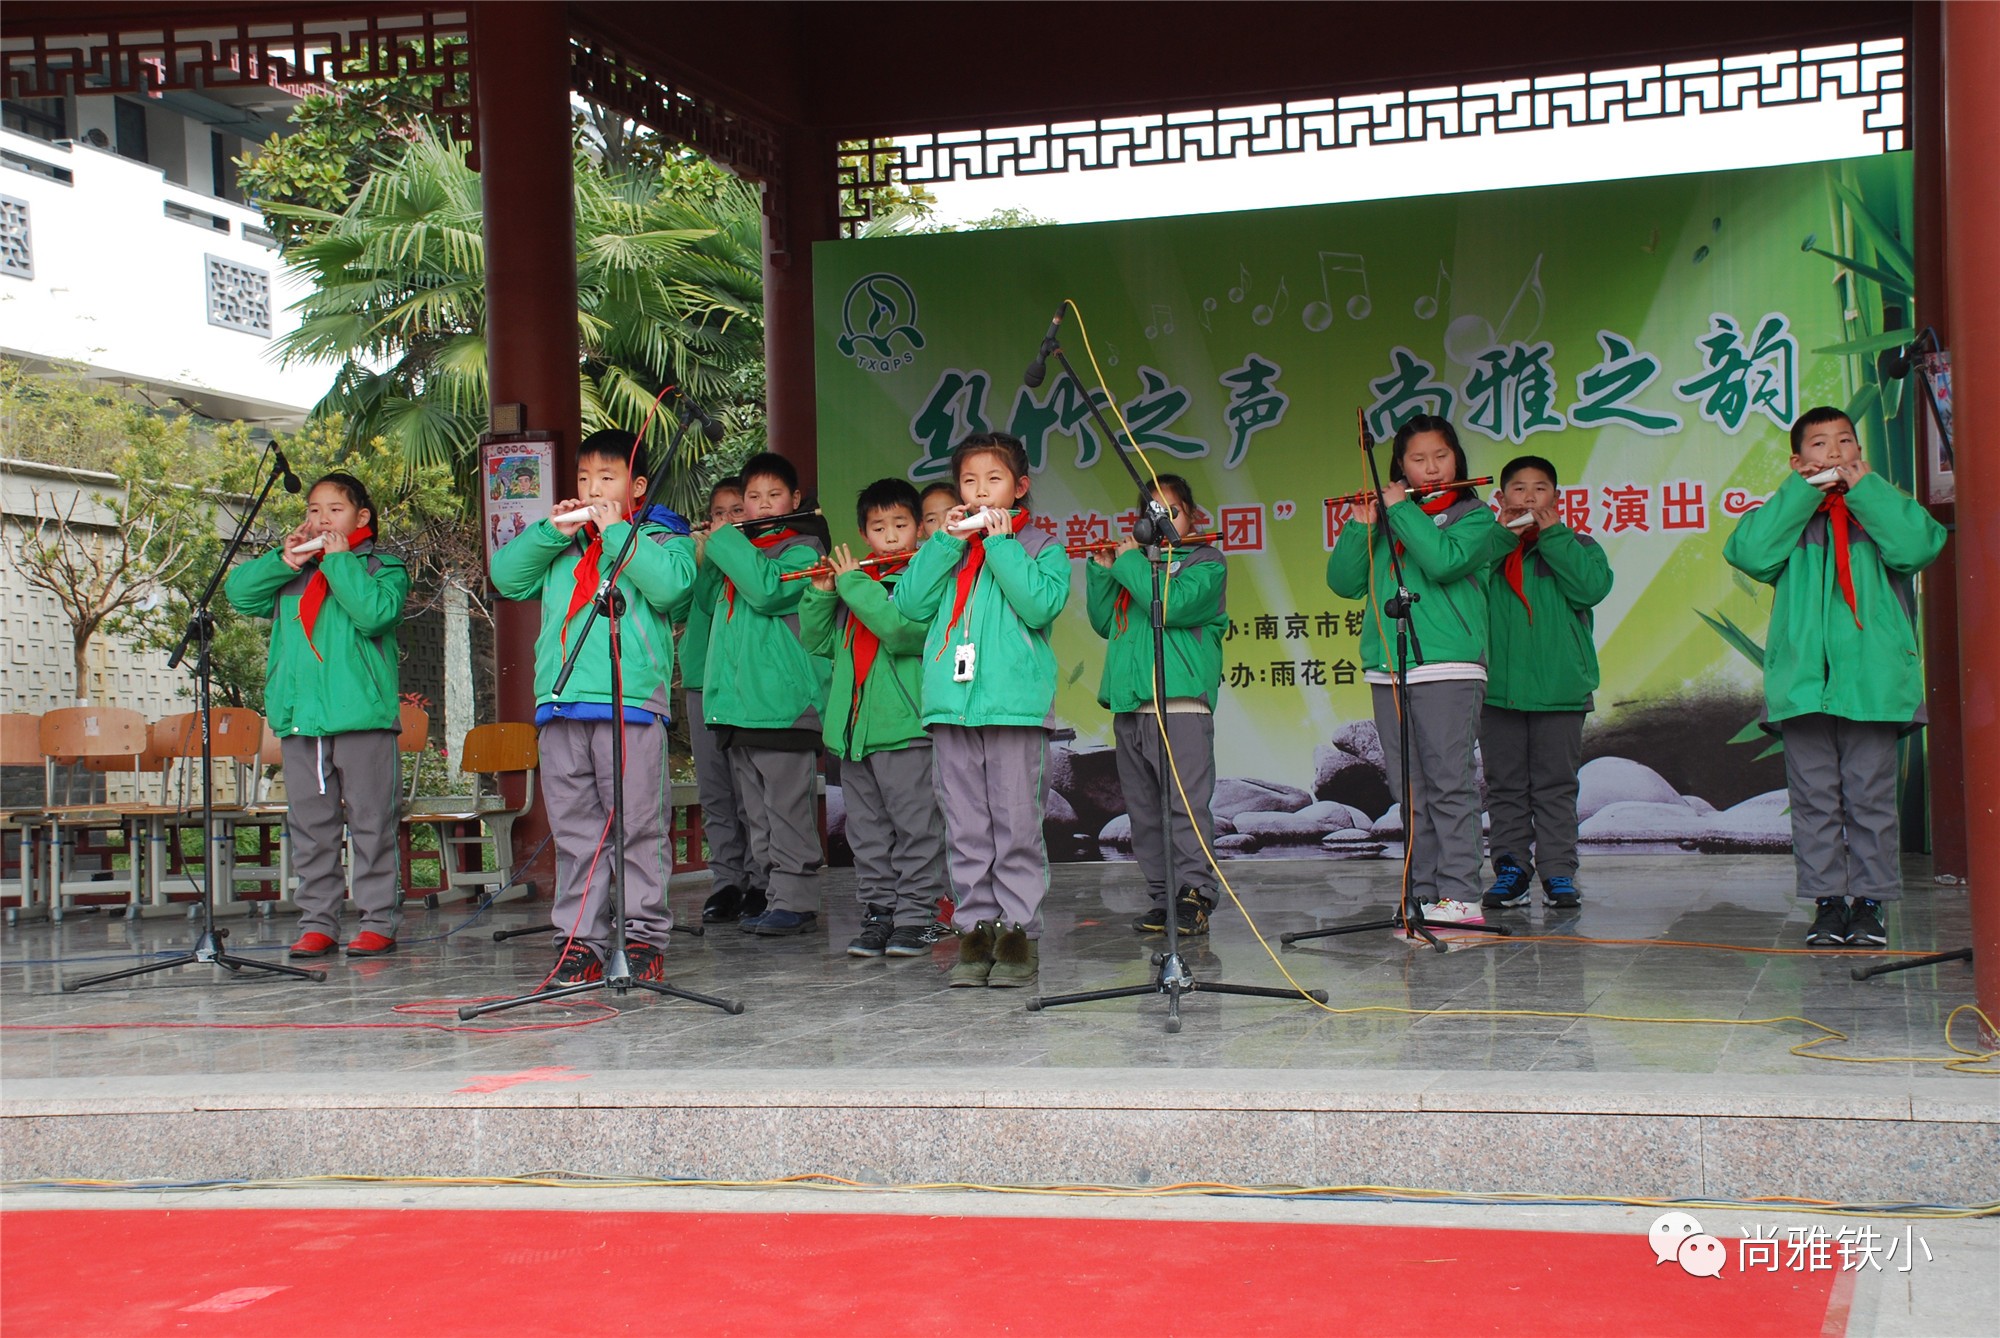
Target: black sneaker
[647,962]
[912,941]
[1194,909]
[755,903]
[723,905]
[1864,922]
[578,965]
[1510,885]
[873,940]
[1830,925]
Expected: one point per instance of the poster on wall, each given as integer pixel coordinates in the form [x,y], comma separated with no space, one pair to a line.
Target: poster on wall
[1654,338]
[517,487]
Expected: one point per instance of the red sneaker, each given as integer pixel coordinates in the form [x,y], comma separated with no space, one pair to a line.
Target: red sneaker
[646,961]
[370,944]
[312,945]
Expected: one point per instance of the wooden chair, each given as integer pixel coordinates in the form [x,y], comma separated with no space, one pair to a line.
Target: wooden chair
[271,867]
[22,845]
[235,737]
[468,826]
[108,740]
[413,737]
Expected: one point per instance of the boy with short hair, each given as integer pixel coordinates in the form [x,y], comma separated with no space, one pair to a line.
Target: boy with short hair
[1843,676]
[875,726]
[738,887]
[1119,589]
[762,692]
[563,562]
[1541,670]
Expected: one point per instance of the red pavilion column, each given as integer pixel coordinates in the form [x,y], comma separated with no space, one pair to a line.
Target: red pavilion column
[520,56]
[1972,267]
[800,209]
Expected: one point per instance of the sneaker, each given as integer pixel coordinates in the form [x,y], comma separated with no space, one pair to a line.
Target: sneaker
[873,940]
[723,905]
[1449,912]
[1194,909]
[936,932]
[371,944]
[647,962]
[1016,959]
[1510,885]
[312,945]
[975,956]
[778,924]
[1560,892]
[909,941]
[1830,925]
[1864,922]
[578,965]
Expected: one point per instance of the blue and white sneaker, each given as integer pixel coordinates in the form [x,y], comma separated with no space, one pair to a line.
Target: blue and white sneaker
[1510,885]
[1560,892]
[778,924]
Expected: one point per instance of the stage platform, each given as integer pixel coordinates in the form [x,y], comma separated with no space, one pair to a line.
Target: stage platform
[875,1071]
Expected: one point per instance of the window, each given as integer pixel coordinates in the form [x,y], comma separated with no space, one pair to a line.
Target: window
[222,169]
[40,117]
[131,125]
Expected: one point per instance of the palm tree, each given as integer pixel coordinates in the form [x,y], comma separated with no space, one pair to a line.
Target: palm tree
[669,288]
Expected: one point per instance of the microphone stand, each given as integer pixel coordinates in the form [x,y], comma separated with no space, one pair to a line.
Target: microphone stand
[609,602]
[1409,916]
[1155,532]
[209,945]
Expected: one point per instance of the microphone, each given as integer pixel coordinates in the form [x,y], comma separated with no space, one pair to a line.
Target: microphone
[1893,364]
[692,409]
[1361,426]
[285,468]
[1038,370]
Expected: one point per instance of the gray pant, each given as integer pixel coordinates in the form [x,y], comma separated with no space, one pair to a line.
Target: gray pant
[781,822]
[1442,820]
[1143,773]
[576,781]
[343,780]
[1842,779]
[1531,760]
[990,782]
[715,786]
[896,832]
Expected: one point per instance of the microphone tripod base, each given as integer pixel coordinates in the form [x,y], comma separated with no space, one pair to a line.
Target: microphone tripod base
[617,978]
[208,950]
[1174,980]
[1417,927]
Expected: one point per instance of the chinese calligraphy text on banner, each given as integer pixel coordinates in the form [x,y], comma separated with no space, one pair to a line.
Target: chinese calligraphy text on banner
[1653,338]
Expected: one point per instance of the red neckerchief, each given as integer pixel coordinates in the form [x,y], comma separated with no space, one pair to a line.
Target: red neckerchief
[1436,506]
[317,589]
[1838,516]
[762,541]
[586,578]
[862,643]
[968,571]
[1515,568]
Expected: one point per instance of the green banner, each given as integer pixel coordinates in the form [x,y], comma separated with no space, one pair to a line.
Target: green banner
[1654,338]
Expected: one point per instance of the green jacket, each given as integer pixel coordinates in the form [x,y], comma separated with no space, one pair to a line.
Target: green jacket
[1815,659]
[1196,597]
[758,676]
[1546,660]
[1021,587]
[885,715]
[697,617]
[1447,559]
[541,562]
[347,678]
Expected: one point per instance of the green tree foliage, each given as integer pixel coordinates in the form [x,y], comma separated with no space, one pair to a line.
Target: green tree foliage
[669,276]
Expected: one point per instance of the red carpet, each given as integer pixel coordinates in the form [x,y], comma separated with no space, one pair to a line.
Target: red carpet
[443,1274]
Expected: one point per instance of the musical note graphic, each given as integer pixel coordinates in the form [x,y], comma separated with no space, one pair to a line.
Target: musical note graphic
[1317,316]
[1265,312]
[1471,335]
[1242,288]
[1163,322]
[1426,306]
[1208,304]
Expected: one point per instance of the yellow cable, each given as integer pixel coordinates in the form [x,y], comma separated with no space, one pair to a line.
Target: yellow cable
[1982,1063]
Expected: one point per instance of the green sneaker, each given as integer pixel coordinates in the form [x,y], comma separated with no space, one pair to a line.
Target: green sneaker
[1016,960]
[975,957]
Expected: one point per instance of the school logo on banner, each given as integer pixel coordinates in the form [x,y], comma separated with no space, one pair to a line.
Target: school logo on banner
[879,324]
